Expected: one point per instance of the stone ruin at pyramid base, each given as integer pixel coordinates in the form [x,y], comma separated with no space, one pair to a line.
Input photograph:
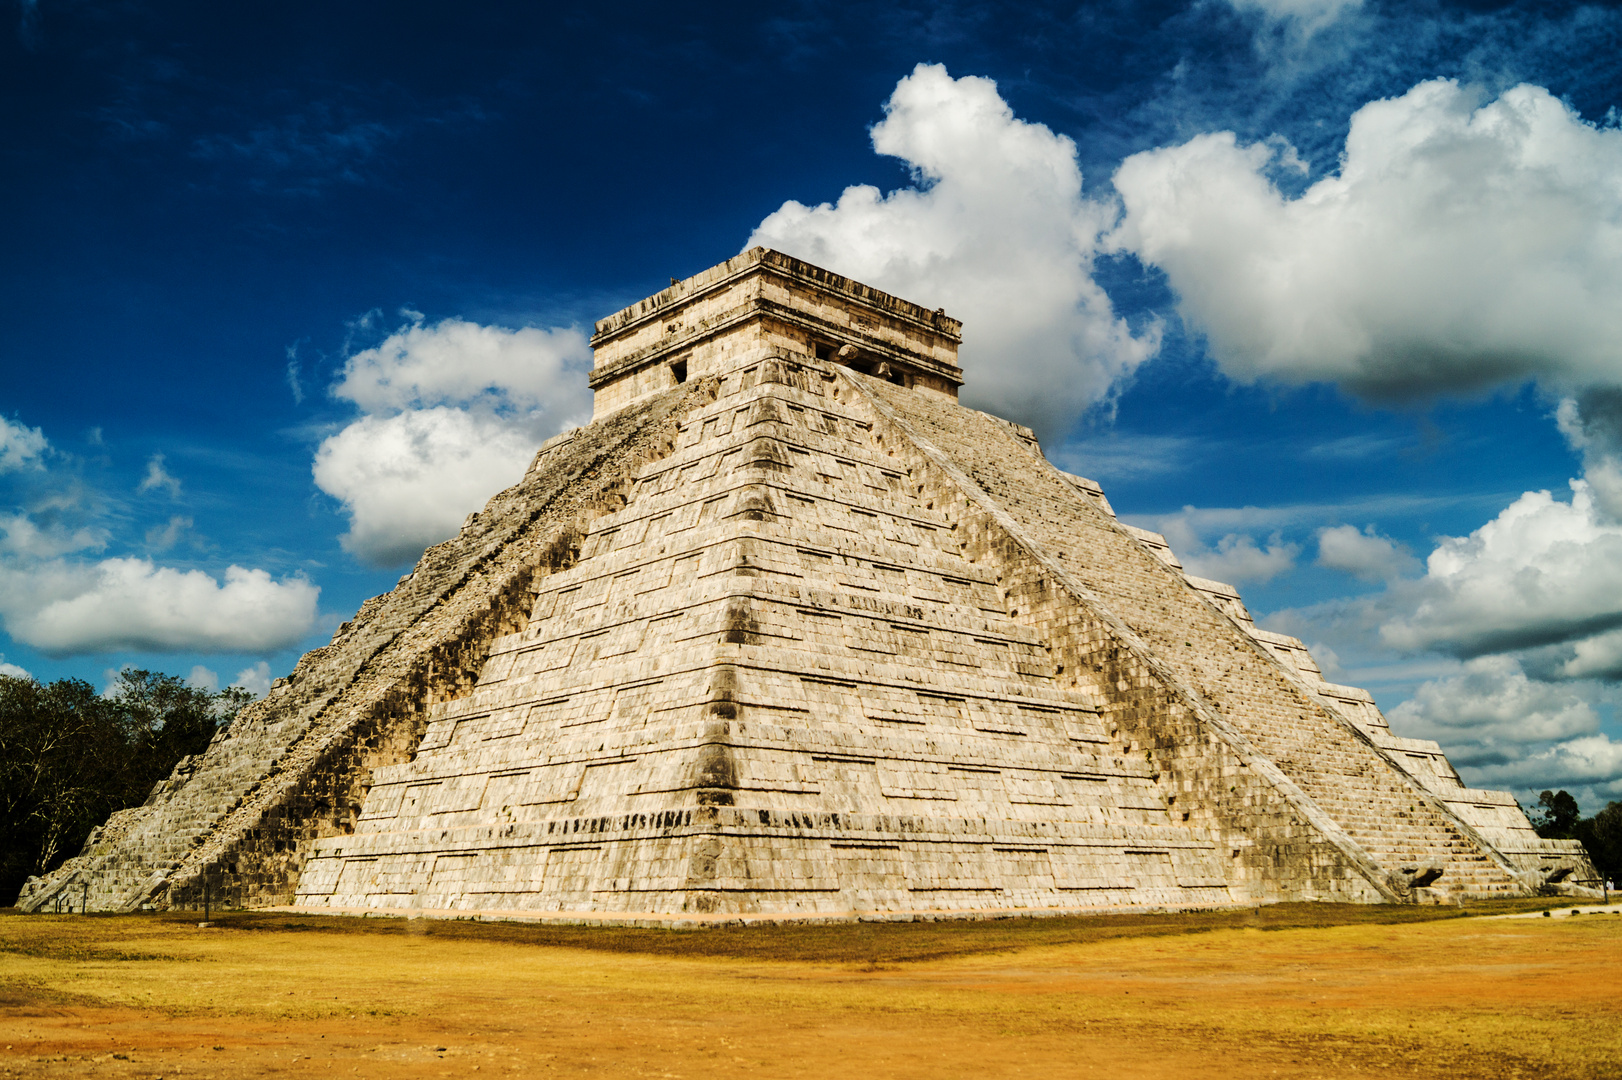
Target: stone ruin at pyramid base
[787,632]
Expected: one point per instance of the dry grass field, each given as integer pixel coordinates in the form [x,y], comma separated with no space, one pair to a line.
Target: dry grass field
[1288,991]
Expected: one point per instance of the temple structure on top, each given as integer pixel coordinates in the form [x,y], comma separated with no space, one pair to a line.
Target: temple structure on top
[764,302]
[788,632]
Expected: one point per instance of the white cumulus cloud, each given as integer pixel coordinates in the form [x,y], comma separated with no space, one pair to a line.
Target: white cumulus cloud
[453,412]
[1492,702]
[1591,766]
[1599,656]
[255,679]
[1366,555]
[13,670]
[1543,572]
[21,536]
[409,479]
[1532,601]
[62,607]
[1504,729]
[58,596]
[1460,246]
[996,230]
[21,447]
[1592,424]
[1237,559]
[456,362]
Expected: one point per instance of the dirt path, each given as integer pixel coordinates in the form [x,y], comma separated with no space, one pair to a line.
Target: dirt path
[1462,998]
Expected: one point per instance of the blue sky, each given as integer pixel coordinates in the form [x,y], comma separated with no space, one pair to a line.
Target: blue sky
[1323,290]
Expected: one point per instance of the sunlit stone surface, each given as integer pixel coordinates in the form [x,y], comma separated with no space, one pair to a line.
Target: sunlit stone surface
[788,632]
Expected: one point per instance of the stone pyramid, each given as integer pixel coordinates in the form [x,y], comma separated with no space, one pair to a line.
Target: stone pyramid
[788,632]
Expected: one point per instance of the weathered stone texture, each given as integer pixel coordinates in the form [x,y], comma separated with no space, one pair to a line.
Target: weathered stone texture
[297,765]
[763,299]
[773,683]
[1319,801]
[788,632]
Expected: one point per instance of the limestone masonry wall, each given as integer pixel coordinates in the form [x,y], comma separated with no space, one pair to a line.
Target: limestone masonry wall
[772,685]
[1307,802]
[788,632]
[297,765]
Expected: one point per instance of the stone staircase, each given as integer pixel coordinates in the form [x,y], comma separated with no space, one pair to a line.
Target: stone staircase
[779,645]
[787,630]
[296,765]
[1406,831]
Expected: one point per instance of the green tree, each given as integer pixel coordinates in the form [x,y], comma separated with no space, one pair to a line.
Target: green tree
[69,757]
[1557,815]
[1603,840]
[61,749]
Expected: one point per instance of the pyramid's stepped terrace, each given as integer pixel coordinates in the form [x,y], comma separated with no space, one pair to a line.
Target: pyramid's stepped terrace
[297,765]
[1494,815]
[773,683]
[788,632]
[1142,626]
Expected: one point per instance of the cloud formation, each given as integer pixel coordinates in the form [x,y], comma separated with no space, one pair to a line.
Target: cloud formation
[1308,15]
[164,537]
[254,679]
[1235,558]
[1296,9]
[64,608]
[1366,555]
[1238,560]
[408,480]
[304,153]
[58,597]
[1593,761]
[453,413]
[1462,245]
[1492,703]
[1222,539]
[157,478]
[996,230]
[1542,573]
[1507,730]
[1597,657]
[456,362]
[1592,424]
[21,447]
[22,537]
[1532,603]
[1459,247]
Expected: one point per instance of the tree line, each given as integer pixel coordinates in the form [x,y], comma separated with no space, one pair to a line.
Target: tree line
[70,756]
[1558,817]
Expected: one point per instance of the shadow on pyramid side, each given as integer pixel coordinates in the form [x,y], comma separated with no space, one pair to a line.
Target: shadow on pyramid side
[786,632]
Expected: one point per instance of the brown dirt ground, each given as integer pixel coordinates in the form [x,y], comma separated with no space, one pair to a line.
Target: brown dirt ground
[1293,991]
